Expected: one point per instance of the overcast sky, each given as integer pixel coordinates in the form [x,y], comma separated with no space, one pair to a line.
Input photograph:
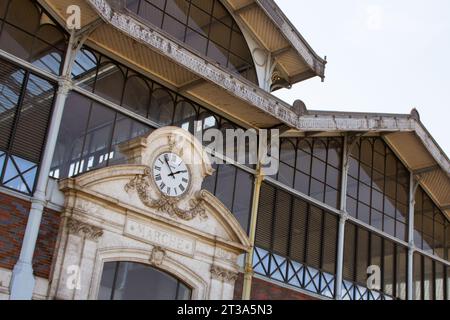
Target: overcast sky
[383,56]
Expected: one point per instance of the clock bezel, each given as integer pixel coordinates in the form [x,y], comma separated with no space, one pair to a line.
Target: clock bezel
[188,188]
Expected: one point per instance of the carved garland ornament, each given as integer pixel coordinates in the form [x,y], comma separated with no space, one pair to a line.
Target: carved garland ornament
[169,205]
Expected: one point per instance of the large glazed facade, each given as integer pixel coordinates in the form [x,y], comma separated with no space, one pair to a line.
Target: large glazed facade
[84,113]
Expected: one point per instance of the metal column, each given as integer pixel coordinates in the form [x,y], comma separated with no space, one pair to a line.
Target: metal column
[22,280]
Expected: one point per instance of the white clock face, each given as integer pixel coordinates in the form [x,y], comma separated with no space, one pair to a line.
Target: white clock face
[171,174]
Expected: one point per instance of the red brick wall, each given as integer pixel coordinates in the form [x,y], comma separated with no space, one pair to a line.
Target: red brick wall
[264,290]
[13,220]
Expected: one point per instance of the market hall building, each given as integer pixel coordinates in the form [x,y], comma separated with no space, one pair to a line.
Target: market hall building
[90,116]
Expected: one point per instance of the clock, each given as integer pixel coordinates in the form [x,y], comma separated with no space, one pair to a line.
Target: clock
[171,175]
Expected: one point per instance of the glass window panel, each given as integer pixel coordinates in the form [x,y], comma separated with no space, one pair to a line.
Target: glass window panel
[185,115]
[50,62]
[184,293]
[107,282]
[378,181]
[85,68]
[218,54]
[389,206]
[303,161]
[24,14]
[16,42]
[352,187]
[34,113]
[243,198]
[199,21]
[363,213]
[287,153]
[3,6]
[320,150]
[301,182]
[239,46]
[402,193]
[151,13]
[378,162]
[364,193]
[11,80]
[158,3]
[178,9]
[402,212]
[334,153]
[428,282]
[377,200]
[351,207]
[365,174]
[137,95]
[51,35]
[391,165]
[204,5]
[376,219]
[208,20]
[2,161]
[331,197]
[286,174]
[98,137]
[318,169]
[161,107]
[174,28]
[197,41]
[125,129]
[353,167]
[333,177]
[366,152]
[400,230]
[388,268]
[110,82]
[317,190]
[220,33]
[219,12]
[134,281]
[391,188]
[132,5]
[226,179]
[389,225]
[209,183]
[71,133]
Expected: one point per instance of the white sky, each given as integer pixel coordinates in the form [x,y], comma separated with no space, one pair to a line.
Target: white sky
[383,56]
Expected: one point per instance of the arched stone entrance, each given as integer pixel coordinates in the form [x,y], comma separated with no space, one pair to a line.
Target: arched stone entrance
[126,280]
[118,214]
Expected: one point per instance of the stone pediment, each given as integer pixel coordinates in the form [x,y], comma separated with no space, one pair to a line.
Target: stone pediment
[129,190]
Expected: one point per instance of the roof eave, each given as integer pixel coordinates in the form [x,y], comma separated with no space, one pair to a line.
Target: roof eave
[301,46]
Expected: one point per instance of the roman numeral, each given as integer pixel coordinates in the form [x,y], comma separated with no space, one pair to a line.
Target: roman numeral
[162,185]
[168,190]
[158,177]
[157,168]
[181,187]
[185,180]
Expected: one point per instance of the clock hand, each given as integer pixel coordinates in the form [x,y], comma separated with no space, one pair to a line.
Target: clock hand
[174,173]
[167,162]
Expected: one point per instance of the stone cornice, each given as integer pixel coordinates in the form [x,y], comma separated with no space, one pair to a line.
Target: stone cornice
[316,63]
